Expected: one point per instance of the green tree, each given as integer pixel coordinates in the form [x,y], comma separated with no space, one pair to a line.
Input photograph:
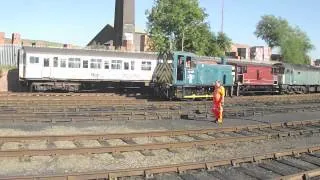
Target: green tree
[181,25]
[292,41]
[271,29]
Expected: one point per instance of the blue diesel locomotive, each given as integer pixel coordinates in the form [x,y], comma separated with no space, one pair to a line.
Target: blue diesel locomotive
[185,76]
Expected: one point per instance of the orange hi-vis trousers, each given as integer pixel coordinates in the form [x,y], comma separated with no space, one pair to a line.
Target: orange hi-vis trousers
[217,110]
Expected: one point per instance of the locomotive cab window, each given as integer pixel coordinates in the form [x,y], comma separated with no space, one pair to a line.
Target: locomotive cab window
[46,62]
[242,69]
[188,64]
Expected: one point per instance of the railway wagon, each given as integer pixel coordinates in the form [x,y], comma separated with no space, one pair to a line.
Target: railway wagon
[44,69]
[187,77]
[297,78]
[253,77]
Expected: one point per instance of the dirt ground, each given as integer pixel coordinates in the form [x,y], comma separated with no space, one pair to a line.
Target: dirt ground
[3,82]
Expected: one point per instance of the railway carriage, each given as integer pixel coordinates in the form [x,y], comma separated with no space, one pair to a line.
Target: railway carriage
[69,69]
[297,78]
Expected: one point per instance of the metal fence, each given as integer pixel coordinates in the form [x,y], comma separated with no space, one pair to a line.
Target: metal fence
[9,54]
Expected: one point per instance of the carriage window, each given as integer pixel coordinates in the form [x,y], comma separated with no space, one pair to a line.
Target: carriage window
[63,63]
[55,62]
[95,63]
[146,66]
[34,60]
[74,63]
[116,64]
[132,65]
[46,62]
[106,65]
[258,74]
[85,64]
[126,65]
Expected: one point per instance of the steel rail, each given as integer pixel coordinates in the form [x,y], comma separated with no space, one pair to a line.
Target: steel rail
[107,136]
[282,97]
[103,111]
[149,172]
[104,94]
[148,146]
[141,113]
[127,148]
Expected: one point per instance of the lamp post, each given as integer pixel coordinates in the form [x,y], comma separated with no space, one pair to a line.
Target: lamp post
[182,43]
[222,15]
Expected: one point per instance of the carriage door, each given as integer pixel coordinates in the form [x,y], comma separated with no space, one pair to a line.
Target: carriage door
[224,79]
[46,68]
[240,71]
[181,69]
[190,71]
[126,70]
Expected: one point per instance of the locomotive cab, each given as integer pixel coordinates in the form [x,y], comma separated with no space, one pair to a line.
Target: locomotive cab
[184,68]
[278,73]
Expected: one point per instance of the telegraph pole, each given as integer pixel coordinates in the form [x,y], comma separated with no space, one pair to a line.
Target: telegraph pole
[222,15]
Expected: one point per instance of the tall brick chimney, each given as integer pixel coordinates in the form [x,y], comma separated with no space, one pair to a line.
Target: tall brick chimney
[2,36]
[16,39]
[124,24]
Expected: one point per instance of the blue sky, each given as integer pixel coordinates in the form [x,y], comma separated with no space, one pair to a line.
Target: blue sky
[78,21]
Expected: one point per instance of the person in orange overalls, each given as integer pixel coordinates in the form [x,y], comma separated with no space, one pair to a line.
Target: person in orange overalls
[218,101]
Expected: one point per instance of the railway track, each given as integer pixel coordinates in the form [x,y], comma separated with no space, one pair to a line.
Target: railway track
[135,112]
[128,142]
[300,163]
[100,96]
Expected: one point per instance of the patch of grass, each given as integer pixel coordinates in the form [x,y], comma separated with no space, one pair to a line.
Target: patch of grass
[5,68]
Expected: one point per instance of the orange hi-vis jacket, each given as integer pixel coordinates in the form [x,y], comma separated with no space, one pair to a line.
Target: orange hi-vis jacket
[218,94]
